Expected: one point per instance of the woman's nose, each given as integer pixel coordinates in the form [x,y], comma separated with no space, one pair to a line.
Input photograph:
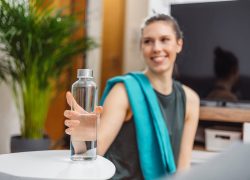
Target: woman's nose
[157,46]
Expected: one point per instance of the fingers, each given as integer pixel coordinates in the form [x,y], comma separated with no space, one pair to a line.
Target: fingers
[76,115]
[71,114]
[71,123]
[69,131]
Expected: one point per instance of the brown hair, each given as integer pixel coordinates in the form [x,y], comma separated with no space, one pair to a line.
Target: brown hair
[163,17]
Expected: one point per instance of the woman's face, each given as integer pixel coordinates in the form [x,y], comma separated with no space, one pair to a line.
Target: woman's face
[160,46]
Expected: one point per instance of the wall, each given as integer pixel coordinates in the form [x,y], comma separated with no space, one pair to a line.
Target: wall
[8,118]
[133,18]
[94,30]
[136,11]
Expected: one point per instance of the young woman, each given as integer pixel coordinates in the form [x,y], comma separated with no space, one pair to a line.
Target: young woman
[149,120]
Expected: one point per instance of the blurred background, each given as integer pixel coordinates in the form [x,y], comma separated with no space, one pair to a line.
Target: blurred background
[115,26]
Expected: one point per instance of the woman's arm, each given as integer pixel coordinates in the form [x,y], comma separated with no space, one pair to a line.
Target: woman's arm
[190,126]
[114,113]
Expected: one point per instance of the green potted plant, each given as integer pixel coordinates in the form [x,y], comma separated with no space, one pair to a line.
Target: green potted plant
[37,44]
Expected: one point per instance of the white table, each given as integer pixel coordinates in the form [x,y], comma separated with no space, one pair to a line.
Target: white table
[53,164]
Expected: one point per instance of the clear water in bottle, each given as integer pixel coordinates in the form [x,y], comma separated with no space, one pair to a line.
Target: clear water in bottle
[84,137]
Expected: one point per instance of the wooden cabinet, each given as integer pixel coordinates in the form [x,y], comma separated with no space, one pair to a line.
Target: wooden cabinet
[224,114]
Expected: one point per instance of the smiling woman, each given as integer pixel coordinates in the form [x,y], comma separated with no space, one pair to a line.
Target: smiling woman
[149,120]
[160,45]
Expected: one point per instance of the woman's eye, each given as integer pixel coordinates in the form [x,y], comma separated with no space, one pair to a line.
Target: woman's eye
[165,40]
[147,41]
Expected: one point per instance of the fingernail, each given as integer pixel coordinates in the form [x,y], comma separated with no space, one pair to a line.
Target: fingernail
[66,113]
[68,131]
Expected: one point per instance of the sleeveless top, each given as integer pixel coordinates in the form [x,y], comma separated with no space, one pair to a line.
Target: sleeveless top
[123,151]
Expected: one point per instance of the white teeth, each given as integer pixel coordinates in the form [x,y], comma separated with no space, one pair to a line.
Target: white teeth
[158,59]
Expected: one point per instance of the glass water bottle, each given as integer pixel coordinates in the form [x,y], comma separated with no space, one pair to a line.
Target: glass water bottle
[83,141]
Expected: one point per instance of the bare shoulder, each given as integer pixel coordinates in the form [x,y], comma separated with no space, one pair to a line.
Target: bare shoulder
[118,90]
[117,96]
[192,103]
[191,95]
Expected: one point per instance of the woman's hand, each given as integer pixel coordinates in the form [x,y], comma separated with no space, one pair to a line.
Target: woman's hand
[74,116]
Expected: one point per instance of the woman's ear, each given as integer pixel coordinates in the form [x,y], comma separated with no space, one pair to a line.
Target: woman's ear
[179,45]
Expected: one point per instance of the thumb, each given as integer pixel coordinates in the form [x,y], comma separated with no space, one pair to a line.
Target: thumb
[98,110]
[72,103]
[69,98]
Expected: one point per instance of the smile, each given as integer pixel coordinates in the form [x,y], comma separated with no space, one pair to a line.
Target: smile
[158,59]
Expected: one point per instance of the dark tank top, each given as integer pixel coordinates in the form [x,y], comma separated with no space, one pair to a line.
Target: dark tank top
[124,153]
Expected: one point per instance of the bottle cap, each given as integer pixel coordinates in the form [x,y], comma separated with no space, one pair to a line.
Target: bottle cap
[81,73]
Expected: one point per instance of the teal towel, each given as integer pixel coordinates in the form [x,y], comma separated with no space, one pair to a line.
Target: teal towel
[155,151]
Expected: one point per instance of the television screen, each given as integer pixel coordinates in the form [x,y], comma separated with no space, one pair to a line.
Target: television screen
[216,48]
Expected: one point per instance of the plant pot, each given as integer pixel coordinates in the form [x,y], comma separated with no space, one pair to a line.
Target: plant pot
[20,144]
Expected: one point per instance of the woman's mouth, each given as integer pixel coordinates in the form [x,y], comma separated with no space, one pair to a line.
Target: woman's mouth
[158,59]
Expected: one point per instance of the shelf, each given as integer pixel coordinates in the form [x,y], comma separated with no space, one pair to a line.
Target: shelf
[224,114]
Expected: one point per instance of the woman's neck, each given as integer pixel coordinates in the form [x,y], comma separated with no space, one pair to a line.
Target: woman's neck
[160,82]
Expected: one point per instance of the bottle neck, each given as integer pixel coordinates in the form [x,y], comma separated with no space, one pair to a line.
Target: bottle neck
[85,78]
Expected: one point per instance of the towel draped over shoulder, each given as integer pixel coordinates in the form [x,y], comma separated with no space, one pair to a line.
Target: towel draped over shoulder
[154,147]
